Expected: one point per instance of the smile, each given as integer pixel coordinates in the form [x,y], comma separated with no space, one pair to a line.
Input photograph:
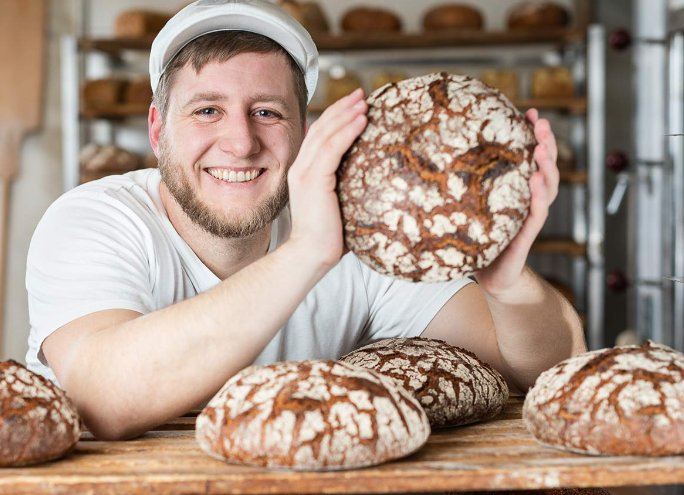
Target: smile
[233,176]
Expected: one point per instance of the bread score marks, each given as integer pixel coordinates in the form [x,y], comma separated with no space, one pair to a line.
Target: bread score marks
[623,400]
[453,385]
[313,415]
[38,422]
[438,183]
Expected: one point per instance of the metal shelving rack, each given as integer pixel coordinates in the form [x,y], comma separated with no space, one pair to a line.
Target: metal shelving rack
[581,48]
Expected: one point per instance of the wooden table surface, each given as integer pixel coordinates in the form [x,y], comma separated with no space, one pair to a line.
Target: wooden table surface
[498,454]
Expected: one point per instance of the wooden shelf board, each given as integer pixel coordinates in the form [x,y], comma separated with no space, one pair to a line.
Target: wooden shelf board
[381,41]
[120,111]
[559,246]
[573,176]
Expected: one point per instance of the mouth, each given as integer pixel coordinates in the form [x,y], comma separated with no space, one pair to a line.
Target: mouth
[226,175]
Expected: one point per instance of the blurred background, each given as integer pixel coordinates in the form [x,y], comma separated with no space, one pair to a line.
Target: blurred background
[606,73]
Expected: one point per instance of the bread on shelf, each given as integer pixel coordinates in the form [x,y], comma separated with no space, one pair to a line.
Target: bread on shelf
[138,92]
[308,14]
[552,82]
[386,77]
[529,15]
[505,81]
[100,93]
[139,23]
[453,16]
[371,20]
[342,86]
[98,158]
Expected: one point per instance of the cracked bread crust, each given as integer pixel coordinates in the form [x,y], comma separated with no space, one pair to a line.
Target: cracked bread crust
[311,415]
[437,185]
[38,422]
[623,400]
[452,384]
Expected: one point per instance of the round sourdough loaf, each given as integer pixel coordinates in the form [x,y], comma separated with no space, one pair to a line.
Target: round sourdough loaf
[38,422]
[622,400]
[311,415]
[370,20]
[535,15]
[452,16]
[437,185]
[453,385]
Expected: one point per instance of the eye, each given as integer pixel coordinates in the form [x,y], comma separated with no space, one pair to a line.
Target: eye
[206,111]
[267,114]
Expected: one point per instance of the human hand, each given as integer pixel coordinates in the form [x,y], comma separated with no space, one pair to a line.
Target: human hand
[499,279]
[316,218]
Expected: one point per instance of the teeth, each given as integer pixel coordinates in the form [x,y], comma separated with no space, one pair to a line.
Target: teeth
[232,176]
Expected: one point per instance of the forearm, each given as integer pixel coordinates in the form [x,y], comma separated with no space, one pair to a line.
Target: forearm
[535,328]
[133,376]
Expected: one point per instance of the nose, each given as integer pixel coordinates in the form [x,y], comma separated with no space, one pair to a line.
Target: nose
[238,137]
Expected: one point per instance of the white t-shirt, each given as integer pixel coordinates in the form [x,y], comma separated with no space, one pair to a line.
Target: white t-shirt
[109,244]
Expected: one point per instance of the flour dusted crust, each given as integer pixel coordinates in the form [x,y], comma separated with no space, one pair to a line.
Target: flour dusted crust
[437,185]
[623,400]
[38,422]
[453,385]
[313,415]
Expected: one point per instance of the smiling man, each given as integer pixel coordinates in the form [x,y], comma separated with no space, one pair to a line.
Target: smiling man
[148,291]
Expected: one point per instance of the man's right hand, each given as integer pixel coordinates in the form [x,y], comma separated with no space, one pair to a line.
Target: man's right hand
[316,219]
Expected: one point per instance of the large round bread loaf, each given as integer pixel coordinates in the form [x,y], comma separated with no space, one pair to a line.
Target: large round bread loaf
[313,415]
[38,422]
[535,15]
[370,20]
[437,185]
[452,16]
[453,385]
[623,400]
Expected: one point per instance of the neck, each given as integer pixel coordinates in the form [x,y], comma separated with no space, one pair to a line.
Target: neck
[223,256]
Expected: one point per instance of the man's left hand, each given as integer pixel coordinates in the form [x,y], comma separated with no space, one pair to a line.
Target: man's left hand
[499,279]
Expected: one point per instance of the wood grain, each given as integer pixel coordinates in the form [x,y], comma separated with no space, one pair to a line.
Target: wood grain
[495,455]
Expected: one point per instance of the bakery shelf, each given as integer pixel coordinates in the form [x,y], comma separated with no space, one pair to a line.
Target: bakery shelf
[120,111]
[381,41]
[560,246]
[573,176]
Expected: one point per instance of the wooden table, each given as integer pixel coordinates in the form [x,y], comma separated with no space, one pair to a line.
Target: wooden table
[498,454]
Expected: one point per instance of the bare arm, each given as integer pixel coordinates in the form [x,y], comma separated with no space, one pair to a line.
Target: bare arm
[128,373]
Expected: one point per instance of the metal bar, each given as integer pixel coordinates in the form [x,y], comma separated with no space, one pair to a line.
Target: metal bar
[596,131]
[70,102]
[675,147]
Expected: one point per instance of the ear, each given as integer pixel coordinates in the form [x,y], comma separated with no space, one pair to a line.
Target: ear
[154,124]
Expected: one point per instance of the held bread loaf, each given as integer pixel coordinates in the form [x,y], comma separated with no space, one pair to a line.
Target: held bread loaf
[452,16]
[437,184]
[453,385]
[311,415]
[140,23]
[38,422]
[308,14]
[370,20]
[623,400]
[530,15]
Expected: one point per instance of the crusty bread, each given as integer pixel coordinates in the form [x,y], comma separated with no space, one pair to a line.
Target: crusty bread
[308,14]
[38,422]
[530,15]
[505,81]
[138,92]
[140,23]
[314,415]
[453,385]
[437,184]
[622,400]
[453,16]
[370,20]
[552,82]
[102,93]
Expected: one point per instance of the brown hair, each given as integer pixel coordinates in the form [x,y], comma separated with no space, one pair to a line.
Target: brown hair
[219,47]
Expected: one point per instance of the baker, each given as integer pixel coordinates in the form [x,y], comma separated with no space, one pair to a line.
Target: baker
[148,291]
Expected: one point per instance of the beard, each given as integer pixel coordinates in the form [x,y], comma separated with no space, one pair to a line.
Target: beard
[215,222]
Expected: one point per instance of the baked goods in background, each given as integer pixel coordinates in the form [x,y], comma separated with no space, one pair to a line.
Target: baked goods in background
[138,92]
[97,158]
[101,93]
[566,156]
[150,161]
[370,20]
[140,23]
[505,81]
[386,77]
[531,15]
[308,14]
[552,82]
[313,415]
[38,422]
[340,87]
[620,401]
[453,16]
[422,198]
[452,384]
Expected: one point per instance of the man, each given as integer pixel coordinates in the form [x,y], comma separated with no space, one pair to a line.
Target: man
[148,291]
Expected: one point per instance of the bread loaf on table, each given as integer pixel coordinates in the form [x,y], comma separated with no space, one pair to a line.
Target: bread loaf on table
[452,16]
[140,23]
[452,384]
[437,184]
[38,422]
[623,400]
[371,20]
[313,415]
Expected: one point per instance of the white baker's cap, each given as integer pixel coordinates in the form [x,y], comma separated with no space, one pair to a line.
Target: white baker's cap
[257,16]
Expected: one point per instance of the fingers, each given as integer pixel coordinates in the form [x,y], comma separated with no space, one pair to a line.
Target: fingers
[539,211]
[548,170]
[532,115]
[544,135]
